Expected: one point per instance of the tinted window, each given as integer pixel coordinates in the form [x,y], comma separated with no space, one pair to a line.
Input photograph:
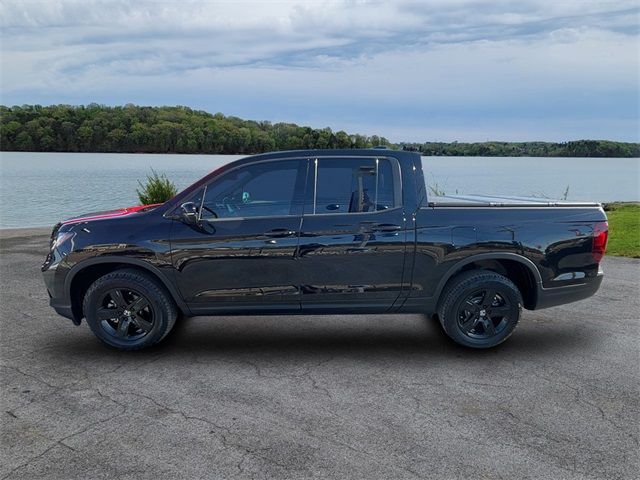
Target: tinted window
[262,189]
[346,185]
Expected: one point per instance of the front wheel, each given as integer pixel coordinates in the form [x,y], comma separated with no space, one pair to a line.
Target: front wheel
[480,309]
[129,310]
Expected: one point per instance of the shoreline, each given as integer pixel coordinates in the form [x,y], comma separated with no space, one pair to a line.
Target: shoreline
[6,233]
[195,154]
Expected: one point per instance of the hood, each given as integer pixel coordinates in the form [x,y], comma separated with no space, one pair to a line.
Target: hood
[120,212]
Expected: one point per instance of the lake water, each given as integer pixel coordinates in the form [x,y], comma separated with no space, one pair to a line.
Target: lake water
[39,189]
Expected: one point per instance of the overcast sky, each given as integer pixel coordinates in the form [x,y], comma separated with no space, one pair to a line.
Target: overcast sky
[409,70]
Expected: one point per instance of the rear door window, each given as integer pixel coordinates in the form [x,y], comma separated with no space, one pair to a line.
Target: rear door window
[355,185]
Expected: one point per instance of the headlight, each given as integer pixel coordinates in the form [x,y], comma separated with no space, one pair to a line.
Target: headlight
[61,239]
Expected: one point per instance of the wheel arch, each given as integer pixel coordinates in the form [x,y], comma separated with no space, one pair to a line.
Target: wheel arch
[520,270]
[83,274]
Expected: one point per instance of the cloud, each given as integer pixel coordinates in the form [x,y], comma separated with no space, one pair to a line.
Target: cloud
[472,66]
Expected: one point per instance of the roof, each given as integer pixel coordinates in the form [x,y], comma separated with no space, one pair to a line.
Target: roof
[350,152]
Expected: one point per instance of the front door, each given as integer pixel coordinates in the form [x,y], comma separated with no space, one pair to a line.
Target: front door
[242,252]
[353,238]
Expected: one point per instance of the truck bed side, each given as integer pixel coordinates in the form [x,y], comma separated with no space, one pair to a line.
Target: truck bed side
[548,246]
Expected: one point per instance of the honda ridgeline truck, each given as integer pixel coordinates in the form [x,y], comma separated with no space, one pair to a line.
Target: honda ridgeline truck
[323,232]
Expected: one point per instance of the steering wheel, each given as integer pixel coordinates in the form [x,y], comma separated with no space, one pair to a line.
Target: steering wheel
[204,207]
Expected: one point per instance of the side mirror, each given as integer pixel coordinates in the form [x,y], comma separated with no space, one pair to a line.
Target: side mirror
[189,213]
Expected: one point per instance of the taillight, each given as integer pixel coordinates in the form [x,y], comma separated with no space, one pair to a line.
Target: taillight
[600,235]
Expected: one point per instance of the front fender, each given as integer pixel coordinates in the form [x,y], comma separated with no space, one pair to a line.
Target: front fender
[126,261]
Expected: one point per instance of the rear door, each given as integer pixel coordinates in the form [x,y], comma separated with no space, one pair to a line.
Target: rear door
[353,236]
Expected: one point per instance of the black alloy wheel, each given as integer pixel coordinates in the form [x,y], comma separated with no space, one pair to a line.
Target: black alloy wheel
[479,308]
[484,313]
[129,309]
[125,314]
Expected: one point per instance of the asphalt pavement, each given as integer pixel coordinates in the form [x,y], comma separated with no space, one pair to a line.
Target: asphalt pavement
[338,397]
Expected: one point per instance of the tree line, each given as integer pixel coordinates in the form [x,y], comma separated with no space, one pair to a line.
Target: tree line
[577,148]
[137,129]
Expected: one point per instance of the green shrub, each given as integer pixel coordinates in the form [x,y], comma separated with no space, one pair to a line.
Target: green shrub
[157,189]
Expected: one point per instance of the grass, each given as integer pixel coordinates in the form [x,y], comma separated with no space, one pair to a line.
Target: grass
[624,229]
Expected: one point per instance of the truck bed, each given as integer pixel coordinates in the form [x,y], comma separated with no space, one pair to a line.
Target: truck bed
[493,201]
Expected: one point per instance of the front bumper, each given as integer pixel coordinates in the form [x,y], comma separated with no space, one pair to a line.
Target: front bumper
[64,309]
[53,276]
[550,297]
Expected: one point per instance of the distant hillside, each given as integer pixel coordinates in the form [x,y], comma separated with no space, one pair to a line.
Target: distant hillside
[134,129]
[577,148]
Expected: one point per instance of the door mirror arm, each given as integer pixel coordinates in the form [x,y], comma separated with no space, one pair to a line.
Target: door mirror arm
[189,213]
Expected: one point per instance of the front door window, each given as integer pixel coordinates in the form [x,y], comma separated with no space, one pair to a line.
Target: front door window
[263,189]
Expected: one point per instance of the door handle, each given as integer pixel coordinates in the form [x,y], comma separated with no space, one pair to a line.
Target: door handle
[359,250]
[386,227]
[279,233]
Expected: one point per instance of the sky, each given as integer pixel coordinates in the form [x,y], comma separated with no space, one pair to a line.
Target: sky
[441,70]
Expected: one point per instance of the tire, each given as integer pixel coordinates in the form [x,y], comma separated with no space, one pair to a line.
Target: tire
[129,310]
[480,309]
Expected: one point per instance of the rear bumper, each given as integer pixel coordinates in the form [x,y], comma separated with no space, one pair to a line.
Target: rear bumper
[550,297]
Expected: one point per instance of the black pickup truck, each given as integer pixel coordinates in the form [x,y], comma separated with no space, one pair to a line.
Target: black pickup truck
[323,231]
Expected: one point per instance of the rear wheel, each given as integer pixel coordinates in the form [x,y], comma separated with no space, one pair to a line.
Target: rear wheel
[129,310]
[480,309]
